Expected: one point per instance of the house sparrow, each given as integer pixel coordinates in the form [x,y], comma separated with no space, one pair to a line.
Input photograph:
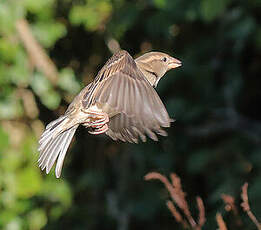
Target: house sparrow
[121,102]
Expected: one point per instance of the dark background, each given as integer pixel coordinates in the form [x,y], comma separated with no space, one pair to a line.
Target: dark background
[214,145]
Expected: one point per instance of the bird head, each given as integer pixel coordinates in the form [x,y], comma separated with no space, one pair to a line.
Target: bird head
[154,65]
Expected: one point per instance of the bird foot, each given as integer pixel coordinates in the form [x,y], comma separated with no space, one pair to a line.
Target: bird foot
[99,130]
[97,122]
[97,119]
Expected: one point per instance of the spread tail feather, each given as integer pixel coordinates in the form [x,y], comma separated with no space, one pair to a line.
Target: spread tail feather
[54,143]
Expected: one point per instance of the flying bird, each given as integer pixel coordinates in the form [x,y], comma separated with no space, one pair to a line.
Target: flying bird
[121,102]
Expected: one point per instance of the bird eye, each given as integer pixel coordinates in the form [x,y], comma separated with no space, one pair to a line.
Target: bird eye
[164,59]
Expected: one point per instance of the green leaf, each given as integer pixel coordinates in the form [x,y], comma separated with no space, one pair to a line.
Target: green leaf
[37,219]
[10,11]
[8,49]
[4,140]
[68,82]
[8,218]
[92,14]
[160,3]
[19,73]
[29,148]
[57,191]
[40,84]
[15,224]
[51,100]
[47,33]
[211,9]
[28,182]
[38,6]
[10,108]
[11,161]
[127,16]
[43,88]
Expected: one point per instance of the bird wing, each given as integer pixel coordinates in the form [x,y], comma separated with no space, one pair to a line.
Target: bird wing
[133,105]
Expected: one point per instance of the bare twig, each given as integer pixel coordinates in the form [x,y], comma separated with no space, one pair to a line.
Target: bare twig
[185,218]
[246,207]
[168,186]
[176,214]
[221,223]
[201,209]
[179,198]
[230,206]
[230,203]
[177,189]
[37,54]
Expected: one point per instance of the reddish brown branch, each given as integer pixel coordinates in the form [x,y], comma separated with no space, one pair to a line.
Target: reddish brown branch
[229,203]
[201,209]
[176,214]
[221,223]
[231,206]
[174,192]
[179,198]
[185,218]
[246,207]
[177,189]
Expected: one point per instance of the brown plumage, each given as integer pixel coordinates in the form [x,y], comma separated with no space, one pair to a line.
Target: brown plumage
[120,102]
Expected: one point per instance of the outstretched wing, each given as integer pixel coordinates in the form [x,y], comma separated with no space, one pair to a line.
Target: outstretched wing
[135,108]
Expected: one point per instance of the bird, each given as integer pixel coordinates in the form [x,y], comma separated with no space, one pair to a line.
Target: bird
[121,102]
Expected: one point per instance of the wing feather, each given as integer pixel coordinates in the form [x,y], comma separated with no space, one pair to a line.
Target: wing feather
[133,105]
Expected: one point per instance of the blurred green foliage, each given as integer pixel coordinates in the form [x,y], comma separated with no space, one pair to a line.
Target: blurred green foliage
[214,145]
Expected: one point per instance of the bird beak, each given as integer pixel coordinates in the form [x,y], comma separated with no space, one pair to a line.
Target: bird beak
[174,63]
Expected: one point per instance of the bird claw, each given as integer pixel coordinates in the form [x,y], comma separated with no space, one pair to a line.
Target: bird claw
[99,130]
[98,122]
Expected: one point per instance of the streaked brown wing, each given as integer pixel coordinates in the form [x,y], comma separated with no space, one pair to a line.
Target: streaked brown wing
[134,106]
[112,66]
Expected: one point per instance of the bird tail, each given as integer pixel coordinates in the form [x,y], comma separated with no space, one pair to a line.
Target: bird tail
[54,143]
